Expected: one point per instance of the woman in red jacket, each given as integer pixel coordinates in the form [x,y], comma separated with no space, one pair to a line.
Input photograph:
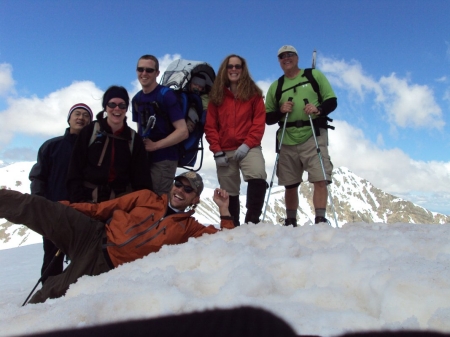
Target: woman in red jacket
[234,127]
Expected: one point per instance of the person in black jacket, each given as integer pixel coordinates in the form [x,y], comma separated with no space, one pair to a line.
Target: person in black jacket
[109,158]
[48,175]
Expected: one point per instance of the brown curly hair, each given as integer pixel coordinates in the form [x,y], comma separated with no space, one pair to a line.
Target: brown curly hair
[247,88]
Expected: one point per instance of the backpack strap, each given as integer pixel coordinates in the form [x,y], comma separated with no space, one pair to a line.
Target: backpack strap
[307,73]
[317,122]
[160,97]
[279,89]
[131,142]
[96,132]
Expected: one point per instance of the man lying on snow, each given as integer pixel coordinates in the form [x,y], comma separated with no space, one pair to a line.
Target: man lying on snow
[100,237]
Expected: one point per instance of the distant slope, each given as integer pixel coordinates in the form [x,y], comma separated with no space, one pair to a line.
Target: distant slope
[355,200]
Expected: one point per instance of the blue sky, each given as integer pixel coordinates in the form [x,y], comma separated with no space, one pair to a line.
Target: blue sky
[388,61]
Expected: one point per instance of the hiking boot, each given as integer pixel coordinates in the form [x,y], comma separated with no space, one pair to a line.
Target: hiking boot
[290,221]
[320,219]
[256,192]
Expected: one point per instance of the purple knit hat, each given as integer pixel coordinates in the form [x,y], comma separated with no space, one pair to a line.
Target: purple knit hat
[80,106]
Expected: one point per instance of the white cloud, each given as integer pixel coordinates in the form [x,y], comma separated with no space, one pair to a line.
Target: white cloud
[405,104]
[350,77]
[47,116]
[264,86]
[446,96]
[410,105]
[389,169]
[6,79]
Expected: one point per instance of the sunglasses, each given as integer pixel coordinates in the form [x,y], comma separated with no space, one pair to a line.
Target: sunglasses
[147,70]
[186,188]
[286,55]
[237,66]
[113,105]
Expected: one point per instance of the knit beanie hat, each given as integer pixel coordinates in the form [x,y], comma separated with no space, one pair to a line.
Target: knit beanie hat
[199,79]
[80,106]
[115,92]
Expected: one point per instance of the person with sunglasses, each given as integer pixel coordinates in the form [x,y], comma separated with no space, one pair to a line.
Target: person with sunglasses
[100,237]
[48,176]
[234,128]
[109,158]
[167,128]
[299,100]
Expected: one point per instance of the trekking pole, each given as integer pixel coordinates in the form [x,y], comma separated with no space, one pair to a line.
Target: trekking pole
[319,153]
[276,161]
[318,149]
[44,274]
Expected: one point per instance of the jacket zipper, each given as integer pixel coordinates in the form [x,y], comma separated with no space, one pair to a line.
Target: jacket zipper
[135,236]
[154,236]
[140,223]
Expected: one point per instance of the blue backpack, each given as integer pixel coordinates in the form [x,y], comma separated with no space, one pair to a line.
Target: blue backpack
[177,78]
[195,116]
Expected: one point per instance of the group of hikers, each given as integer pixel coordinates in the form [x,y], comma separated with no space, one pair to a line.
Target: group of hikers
[104,194]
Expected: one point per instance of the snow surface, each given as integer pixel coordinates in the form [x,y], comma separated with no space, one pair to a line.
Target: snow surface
[321,280]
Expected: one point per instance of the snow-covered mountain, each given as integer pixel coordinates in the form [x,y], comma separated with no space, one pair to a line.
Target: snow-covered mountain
[355,200]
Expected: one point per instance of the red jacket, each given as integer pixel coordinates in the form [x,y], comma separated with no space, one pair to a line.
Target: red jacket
[136,226]
[235,122]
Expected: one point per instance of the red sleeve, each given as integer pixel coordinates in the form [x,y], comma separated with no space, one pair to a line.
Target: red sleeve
[256,131]
[196,229]
[212,128]
[104,210]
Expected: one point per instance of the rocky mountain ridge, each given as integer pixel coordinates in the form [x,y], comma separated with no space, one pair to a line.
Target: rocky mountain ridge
[355,200]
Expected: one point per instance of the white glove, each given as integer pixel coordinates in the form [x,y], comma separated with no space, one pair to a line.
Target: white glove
[221,159]
[241,152]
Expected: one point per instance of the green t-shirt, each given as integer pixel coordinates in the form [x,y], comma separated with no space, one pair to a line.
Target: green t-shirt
[294,135]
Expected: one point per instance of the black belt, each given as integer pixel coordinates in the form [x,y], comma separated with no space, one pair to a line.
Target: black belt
[105,253]
[320,122]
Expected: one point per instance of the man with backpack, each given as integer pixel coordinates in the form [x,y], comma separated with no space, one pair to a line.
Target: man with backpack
[298,94]
[101,236]
[48,176]
[161,122]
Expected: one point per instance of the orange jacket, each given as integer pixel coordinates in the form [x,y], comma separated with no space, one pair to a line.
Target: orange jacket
[136,225]
[235,122]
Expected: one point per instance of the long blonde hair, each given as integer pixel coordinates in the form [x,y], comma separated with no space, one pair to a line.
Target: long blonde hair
[246,88]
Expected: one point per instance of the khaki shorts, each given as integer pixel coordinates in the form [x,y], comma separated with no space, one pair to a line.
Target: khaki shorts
[252,166]
[295,159]
[163,173]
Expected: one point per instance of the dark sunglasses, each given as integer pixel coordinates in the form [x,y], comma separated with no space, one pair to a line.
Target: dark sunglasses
[147,70]
[237,66]
[113,105]
[286,55]
[186,188]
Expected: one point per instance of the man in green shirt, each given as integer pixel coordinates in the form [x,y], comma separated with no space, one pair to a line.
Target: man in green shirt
[296,99]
